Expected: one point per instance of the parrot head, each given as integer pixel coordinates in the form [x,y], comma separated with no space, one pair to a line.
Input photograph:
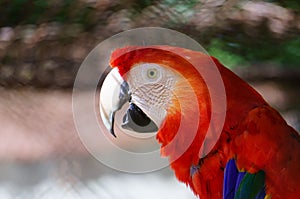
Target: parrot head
[147,88]
[166,94]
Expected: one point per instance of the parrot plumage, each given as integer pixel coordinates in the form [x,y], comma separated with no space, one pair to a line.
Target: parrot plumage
[257,154]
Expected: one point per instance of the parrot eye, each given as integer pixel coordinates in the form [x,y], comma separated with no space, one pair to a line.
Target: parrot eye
[151,72]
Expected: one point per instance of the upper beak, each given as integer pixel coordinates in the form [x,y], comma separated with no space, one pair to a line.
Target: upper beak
[114,94]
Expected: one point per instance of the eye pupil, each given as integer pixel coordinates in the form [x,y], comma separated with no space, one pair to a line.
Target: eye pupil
[152,73]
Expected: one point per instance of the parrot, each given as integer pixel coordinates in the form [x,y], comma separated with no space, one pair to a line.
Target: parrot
[255,156]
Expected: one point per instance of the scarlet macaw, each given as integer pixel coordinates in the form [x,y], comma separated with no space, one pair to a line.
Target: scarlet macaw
[257,154]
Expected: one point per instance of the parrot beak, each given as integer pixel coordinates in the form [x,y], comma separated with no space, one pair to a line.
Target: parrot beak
[136,120]
[114,94]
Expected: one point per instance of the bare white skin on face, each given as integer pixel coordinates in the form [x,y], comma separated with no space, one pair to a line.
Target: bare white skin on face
[152,88]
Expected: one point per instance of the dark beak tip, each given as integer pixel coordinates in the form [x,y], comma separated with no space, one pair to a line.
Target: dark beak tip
[113,133]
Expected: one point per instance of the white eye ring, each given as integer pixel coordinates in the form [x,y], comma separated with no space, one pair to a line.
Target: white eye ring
[151,72]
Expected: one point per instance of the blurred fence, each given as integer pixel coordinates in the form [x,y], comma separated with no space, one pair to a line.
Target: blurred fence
[42,43]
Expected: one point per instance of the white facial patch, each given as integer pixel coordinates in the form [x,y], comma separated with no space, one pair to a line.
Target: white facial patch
[151,87]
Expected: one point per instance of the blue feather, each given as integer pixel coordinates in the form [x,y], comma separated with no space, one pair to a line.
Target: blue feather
[230,177]
[239,180]
[242,185]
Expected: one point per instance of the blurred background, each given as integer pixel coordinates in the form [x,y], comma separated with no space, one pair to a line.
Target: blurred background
[43,43]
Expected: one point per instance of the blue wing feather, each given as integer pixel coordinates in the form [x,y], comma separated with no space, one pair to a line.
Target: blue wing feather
[242,185]
[230,178]
[240,177]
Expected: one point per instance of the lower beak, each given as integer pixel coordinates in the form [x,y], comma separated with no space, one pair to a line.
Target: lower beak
[136,120]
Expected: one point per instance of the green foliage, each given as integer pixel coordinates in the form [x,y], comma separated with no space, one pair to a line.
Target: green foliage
[217,48]
[233,52]
[290,53]
[141,4]
[17,12]
[13,10]
[187,3]
[22,11]
[234,48]
[181,6]
[291,4]
[39,7]
[63,14]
